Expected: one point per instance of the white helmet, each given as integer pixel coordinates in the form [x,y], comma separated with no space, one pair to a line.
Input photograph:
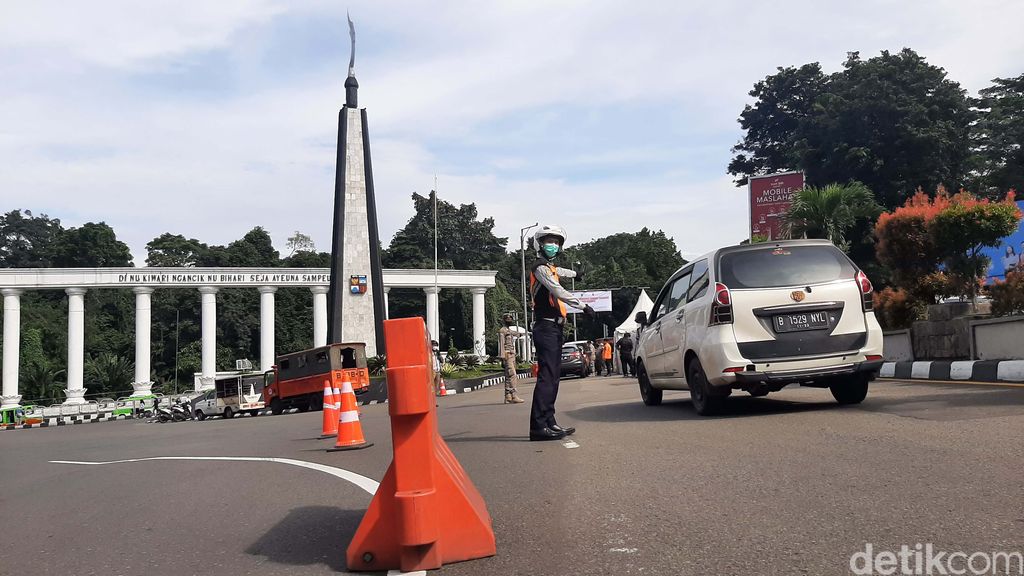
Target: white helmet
[547,230]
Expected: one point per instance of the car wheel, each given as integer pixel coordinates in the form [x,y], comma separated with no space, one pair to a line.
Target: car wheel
[303,407]
[316,403]
[228,414]
[275,407]
[650,395]
[850,391]
[254,412]
[200,415]
[706,401]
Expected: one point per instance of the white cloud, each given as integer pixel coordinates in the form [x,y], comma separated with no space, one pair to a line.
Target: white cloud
[84,136]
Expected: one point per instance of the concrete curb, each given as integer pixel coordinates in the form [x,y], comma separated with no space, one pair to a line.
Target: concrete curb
[68,421]
[494,381]
[973,370]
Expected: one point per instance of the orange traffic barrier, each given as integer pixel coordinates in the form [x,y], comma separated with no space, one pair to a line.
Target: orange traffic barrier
[330,428]
[350,431]
[426,512]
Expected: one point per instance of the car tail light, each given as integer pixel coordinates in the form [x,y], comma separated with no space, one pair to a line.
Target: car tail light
[721,305]
[866,290]
[733,370]
[872,358]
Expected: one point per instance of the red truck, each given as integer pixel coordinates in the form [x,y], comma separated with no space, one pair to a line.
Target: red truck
[297,380]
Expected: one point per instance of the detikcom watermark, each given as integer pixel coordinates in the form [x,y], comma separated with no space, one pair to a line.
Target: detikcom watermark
[924,559]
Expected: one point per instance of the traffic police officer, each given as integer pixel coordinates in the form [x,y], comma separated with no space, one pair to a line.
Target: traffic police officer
[548,299]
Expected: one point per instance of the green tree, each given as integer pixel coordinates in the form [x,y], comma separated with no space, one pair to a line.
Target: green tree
[174,251]
[299,242]
[92,245]
[254,249]
[893,122]
[830,212]
[783,106]
[26,240]
[999,134]
[464,242]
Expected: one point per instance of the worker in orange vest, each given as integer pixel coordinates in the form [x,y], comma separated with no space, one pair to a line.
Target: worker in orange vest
[607,355]
[548,298]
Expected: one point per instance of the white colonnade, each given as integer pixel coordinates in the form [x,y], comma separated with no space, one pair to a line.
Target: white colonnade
[144,281]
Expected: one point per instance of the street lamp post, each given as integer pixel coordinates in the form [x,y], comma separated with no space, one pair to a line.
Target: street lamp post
[575,334]
[526,321]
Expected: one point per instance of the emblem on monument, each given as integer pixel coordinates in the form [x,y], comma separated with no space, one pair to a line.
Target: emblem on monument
[357,284]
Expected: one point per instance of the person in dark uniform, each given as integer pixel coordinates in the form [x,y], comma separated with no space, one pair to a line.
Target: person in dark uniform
[548,299]
[625,346]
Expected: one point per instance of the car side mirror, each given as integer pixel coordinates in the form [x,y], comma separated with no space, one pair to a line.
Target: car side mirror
[641,318]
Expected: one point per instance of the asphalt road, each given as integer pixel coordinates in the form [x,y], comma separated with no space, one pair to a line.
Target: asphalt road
[788,484]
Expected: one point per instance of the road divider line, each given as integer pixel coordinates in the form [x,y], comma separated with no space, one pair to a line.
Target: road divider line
[361,481]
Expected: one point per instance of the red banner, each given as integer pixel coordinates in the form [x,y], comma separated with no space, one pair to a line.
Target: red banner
[770,197]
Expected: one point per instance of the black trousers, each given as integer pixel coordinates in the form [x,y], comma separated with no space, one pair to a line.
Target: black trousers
[627,365]
[547,339]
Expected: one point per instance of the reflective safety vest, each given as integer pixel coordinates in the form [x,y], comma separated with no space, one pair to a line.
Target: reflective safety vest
[543,303]
[607,351]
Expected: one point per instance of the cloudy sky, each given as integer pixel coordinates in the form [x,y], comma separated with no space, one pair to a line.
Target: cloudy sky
[209,118]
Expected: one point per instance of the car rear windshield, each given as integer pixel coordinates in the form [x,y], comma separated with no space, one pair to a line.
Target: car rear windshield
[777,266]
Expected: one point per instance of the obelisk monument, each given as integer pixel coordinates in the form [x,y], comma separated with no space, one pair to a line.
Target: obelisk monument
[355,300]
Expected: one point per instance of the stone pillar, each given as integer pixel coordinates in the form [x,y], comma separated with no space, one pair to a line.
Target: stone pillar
[432,324]
[319,315]
[209,346]
[479,325]
[266,327]
[143,327]
[12,347]
[76,346]
[387,312]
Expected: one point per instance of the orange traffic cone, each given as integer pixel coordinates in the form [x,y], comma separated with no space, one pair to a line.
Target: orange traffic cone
[442,391]
[330,428]
[350,431]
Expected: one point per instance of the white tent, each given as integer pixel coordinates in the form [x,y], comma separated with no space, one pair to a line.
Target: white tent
[644,304]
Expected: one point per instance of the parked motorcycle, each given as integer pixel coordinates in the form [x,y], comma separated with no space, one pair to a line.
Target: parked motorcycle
[163,413]
[182,410]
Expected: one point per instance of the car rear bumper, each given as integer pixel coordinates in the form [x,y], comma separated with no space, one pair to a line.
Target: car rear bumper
[799,376]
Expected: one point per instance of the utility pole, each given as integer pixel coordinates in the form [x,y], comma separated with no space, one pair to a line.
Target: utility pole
[575,334]
[177,323]
[526,316]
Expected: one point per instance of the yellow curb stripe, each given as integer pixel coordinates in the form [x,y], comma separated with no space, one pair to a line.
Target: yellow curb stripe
[924,381]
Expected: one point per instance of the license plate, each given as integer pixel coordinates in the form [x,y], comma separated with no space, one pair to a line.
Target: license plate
[800,322]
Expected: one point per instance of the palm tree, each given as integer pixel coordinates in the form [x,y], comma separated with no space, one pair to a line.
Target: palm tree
[108,372]
[40,380]
[829,212]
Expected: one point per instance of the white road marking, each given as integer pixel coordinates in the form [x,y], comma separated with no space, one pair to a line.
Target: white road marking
[400,573]
[625,550]
[570,444]
[361,481]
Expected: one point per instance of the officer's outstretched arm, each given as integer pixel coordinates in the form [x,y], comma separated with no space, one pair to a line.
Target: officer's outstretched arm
[565,273]
[545,277]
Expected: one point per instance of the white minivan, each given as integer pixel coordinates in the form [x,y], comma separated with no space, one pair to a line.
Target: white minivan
[759,317]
